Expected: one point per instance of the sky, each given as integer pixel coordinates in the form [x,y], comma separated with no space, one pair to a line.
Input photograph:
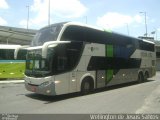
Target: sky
[122,16]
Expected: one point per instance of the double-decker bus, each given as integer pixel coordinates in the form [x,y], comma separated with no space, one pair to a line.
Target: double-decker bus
[71,57]
[9,67]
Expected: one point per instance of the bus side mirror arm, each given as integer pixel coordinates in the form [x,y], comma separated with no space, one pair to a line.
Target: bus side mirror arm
[53,43]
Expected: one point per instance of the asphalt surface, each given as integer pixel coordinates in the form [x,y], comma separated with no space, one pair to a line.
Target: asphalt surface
[127,98]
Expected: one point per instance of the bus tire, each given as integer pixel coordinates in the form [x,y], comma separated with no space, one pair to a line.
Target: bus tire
[140,77]
[146,76]
[87,86]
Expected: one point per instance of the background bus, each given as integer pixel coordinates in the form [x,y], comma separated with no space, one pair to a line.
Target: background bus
[9,67]
[70,57]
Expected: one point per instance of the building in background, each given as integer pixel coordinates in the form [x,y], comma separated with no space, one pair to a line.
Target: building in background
[12,35]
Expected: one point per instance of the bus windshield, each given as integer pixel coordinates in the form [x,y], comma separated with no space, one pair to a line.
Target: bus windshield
[60,59]
[46,34]
[36,65]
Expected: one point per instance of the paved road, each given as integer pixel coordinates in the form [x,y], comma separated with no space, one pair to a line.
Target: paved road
[130,98]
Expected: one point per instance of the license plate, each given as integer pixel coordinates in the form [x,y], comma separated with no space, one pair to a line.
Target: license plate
[33,89]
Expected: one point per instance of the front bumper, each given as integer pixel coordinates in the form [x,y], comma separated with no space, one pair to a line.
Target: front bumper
[42,89]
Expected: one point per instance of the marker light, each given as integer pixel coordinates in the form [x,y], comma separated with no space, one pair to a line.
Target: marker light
[56,82]
[48,91]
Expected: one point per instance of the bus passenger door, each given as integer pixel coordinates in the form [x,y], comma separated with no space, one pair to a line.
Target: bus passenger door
[62,83]
[62,78]
[73,81]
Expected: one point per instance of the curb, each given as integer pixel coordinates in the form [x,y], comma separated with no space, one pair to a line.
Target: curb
[11,81]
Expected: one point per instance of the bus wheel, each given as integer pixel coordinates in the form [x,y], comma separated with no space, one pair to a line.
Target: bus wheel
[146,76]
[87,86]
[140,77]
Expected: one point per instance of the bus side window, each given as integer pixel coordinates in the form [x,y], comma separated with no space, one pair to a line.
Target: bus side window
[72,57]
[73,54]
[62,63]
[7,54]
[22,54]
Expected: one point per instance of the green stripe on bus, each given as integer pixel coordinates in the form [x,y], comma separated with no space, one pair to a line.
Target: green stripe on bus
[109,50]
[109,72]
[109,75]
[108,30]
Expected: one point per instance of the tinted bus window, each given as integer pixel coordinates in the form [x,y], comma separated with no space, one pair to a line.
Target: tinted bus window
[6,54]
[146,46]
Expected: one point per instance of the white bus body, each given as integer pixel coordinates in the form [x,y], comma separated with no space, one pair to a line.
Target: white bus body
[70,57]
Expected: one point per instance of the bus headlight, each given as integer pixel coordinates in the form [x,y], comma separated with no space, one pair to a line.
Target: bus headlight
[45,84]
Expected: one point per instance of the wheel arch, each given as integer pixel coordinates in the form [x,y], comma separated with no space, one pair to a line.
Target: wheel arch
[85,76]
[140,73]
[147,72]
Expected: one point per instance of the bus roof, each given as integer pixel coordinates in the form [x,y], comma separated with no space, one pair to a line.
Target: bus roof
[83,25]
[100,29]
[66,24]
[3,46]
[110,31]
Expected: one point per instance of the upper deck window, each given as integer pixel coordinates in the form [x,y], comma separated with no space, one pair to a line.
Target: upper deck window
[47,34]
[146,46]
